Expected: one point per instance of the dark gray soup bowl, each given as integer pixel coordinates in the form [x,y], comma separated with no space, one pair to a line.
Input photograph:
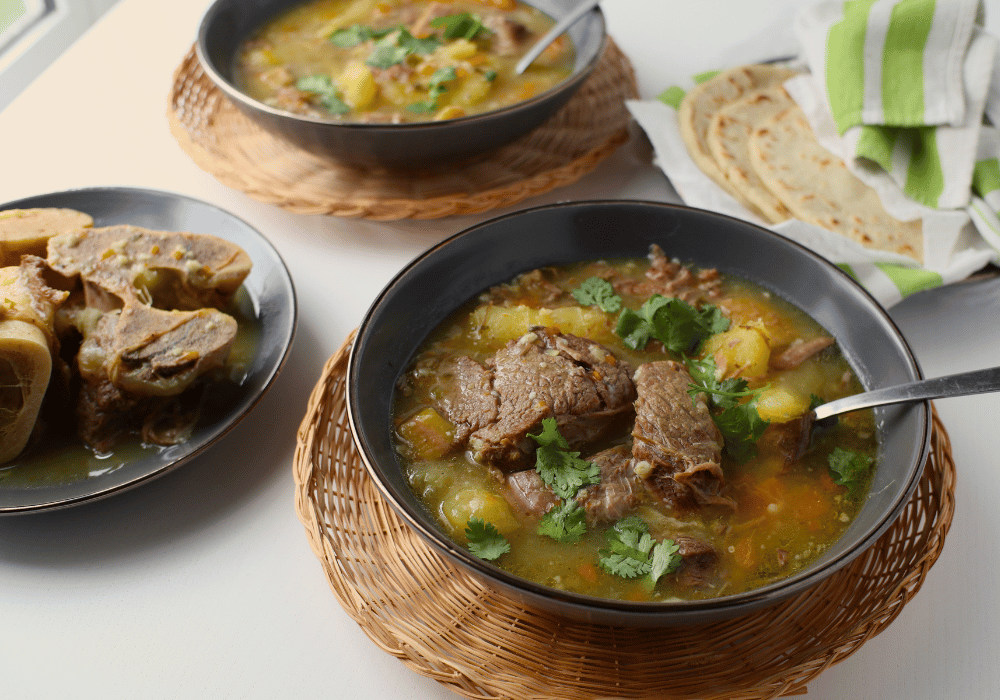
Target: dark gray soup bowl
[437,282]
[412,146]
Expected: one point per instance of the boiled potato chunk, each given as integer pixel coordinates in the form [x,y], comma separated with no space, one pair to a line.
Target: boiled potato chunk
[779,404]
[740,352]
[357,85]
[464,503]
[502,324]
[427,434]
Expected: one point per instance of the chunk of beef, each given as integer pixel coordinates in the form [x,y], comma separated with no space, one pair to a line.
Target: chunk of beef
[798,352]
[698,560]
[509,36]
[670,278]
[467,396]
[608,501]
[549,374]
[677,448]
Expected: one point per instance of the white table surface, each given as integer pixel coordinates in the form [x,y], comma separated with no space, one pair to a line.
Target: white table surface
[201,584]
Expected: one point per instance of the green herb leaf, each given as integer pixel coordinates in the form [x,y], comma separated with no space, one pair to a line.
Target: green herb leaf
[485,541]
[421,47]
[354,35]
[565,523]
[848,468]
[665,559]
[675,323]
[435,88]
[595,291]
[490,75]
[387,53]
[632,552]
[464,25]
[739,422]
[325,90]
[563,471]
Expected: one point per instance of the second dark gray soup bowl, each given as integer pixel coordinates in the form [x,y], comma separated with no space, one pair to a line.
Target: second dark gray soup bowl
[436,283]
[400,147]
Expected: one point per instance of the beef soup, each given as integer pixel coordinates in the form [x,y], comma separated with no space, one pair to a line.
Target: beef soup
[634,430]
[397,61]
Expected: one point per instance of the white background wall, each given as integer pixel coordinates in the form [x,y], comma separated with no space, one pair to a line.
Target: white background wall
[22,61]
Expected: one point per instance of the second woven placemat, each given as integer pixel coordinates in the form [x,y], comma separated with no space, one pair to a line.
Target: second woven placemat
[444,623]
[241,155]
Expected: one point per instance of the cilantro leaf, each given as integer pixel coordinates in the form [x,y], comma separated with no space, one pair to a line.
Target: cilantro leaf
[741,427]
[563,471]
[387,52]
[666,559]
[595,291]
[675,323]
[356,35]
[416,45]
[848,468]
[485,541]
[435,89]
[325,90]
[490,75]
[632,552]
[463,25]
[565,523]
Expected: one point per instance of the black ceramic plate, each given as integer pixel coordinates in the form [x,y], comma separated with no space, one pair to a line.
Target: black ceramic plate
[437,282]
[58,473]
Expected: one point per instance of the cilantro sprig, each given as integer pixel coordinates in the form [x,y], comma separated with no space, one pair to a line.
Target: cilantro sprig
[435,88]
[566,523]
[356,35]
[562,470]
[393,48]
[595,291]
[322,86]
[485,541]
[677,324]
[736,414]
[463,25]
[848,468]
[632,552]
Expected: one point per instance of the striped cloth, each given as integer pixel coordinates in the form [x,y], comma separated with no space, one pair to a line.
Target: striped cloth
[906,83]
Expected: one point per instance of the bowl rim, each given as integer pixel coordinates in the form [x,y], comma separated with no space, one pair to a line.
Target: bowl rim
[684,609]
[233,93]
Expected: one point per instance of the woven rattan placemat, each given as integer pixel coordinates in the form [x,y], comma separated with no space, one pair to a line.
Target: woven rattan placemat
[241,155]
[443,623]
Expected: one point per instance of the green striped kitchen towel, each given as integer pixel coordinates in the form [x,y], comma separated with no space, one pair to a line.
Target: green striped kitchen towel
[906,82]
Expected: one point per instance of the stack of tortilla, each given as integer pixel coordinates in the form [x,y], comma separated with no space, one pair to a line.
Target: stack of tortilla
[744,131]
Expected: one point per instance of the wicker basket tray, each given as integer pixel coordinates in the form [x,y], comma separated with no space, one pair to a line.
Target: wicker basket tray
[442,623]
[241,155]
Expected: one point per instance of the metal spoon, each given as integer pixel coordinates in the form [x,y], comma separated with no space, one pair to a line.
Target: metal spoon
[980,381]
[561,26]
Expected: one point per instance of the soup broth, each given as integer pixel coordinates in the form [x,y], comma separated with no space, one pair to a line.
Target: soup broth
[766,509]
[395,61]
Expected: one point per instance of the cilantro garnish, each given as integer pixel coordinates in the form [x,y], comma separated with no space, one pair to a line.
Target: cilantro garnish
[327,92]
[848,468]
[675,323]
[485,541]
[632,552]
[738,421]
[490,75]
[395,46]
[356,35]
[595,291]
[563,471]
[435,89]
[464,25]
[565,523]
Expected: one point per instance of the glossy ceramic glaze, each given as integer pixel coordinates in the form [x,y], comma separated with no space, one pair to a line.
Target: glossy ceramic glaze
[436,283]
[273,305]
[413,146]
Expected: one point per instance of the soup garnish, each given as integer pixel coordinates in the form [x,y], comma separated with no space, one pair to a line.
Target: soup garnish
[399,61]
[632,429]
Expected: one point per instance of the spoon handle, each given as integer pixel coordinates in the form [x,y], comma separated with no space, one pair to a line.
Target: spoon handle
[561,26]
[977,382]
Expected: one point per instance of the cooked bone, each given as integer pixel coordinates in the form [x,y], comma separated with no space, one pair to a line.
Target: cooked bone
[27,231]
[162,269]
